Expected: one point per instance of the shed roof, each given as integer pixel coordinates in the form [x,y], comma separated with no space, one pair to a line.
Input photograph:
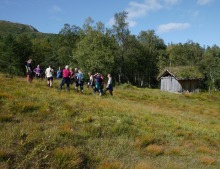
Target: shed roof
[182,73]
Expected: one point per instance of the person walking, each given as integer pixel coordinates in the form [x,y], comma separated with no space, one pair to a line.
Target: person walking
[66,78]
[91,81]
[98,84]
[109,85]
[59,73]
[37,71]
[29,70]
[49,75]
[72,74]
[80,80]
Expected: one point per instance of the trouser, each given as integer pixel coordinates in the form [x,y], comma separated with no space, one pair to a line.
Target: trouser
[65,81]
[80,84]
[50,81]
[110,91]
[110,88]
[97,90]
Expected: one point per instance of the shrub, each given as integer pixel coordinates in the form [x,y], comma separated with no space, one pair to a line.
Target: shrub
[204,149]
[208,160]
[174,151]
[145,141]
[68,157]
[111,165]
[144,165]
[5,154]
[6,117]
[155,150]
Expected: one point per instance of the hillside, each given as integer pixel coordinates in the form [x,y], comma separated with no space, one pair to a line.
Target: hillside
[11,27]
[7,27]
[137,128]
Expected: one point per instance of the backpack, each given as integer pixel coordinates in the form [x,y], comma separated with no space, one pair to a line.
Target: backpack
[80,77]
[59,74]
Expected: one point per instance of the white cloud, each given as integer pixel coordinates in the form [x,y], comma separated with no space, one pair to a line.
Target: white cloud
[171,2]
[172,26]
[111,22]
[204,2]
[56,9]
[138,10]
[132,23]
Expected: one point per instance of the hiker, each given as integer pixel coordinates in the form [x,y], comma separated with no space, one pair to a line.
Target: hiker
[103,80]
[59,73]
[29,70]
[79,80]
[37,71]
[98,84]
[109,85]
[71,76]
[91,81]
[76,70]
[49,75]
[66,78]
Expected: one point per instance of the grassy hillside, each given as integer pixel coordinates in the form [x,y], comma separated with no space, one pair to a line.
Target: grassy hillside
[11,27]
[42,127]
[7,27]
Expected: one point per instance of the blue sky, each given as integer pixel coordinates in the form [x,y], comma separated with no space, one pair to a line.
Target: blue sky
[176,21]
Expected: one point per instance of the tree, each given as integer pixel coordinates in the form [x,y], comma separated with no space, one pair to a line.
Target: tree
[8,60]
[95,52]
[67,39]
[210,67]
[134,61]
[153,47]
[187,54]
[87,26]
[121,30]
[23,50]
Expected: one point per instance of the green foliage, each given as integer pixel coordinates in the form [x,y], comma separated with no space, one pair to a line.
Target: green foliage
[184,72]
[8,57]
[15,28]
[95,53]
[67,39]
[18,46]
[189,53]
[121,32]
[68,157]
[152,47]
[210,67]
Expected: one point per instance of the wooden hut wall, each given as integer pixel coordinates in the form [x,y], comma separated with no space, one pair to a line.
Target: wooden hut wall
[169,83]
[189,85]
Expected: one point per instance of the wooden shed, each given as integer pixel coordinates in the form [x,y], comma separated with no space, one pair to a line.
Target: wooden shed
[180,79]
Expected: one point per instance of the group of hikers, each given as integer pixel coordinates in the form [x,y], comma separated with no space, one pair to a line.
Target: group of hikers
[69,77]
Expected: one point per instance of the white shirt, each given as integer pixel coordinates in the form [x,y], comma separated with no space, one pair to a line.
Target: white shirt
[109,81]
[49,72]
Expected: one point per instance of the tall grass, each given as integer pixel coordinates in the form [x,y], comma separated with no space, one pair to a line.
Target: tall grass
[43,127]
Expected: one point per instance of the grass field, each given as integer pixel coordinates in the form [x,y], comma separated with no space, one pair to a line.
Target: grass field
[42,127]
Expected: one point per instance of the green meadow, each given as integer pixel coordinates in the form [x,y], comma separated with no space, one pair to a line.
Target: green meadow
[137,128]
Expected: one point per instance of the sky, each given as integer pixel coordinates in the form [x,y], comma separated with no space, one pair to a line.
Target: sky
[174,21]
